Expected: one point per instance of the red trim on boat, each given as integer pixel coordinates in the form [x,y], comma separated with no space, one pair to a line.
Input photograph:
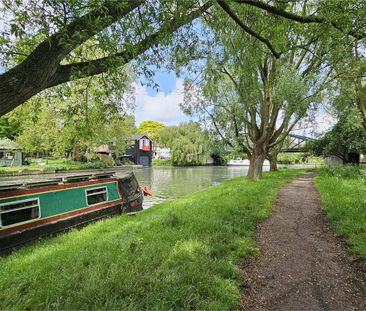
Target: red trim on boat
[51,219]
[34,190]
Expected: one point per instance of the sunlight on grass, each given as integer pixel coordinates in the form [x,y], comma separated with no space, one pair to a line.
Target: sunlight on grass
[176,255]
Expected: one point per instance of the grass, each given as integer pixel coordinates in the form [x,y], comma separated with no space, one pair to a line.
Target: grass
[162,162]
[343,192]
[54,164]
[179,255]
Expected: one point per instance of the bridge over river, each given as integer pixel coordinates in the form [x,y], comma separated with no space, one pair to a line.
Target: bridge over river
[296,143]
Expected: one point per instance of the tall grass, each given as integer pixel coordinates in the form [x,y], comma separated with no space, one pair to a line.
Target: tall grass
[179,255]
[345,171]
[343,192]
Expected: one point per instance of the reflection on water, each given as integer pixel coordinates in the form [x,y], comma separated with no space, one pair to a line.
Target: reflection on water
[172,182]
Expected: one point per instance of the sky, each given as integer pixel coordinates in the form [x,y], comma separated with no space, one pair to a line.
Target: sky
[161,105]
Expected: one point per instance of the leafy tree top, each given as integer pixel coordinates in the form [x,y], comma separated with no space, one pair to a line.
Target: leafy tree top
[47,41]
[189,143]
[152,129]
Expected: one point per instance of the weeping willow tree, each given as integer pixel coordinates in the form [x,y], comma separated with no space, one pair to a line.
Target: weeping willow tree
[254,92]
[189,144]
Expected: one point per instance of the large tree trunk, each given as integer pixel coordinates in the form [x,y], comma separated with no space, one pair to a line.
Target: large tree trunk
[256,163]
[273,162]
[272,158]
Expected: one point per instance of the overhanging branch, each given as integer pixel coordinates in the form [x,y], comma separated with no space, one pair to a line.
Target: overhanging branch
[298,18]
[97,66]
[248,30]
[280,12]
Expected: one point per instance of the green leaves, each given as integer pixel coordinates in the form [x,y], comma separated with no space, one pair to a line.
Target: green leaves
[290,89]
[347,136]
[152,129]
[189,144]
[79,116]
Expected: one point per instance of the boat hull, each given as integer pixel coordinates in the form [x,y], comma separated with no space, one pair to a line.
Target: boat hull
[17,238]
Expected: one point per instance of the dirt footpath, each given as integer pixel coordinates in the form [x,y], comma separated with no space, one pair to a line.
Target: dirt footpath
[302,265]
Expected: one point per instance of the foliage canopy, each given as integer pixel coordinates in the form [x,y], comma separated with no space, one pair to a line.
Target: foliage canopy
[189,144]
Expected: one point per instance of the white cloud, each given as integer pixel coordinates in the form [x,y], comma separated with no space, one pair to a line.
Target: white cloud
[162,107]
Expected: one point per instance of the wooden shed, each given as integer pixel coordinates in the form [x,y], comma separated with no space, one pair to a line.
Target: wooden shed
[10,153]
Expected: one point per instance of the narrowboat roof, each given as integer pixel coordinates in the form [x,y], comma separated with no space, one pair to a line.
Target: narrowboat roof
[29,181]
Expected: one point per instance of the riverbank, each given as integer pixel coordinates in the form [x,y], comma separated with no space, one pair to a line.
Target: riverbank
[162,162]
[343,191]
[52,164]
[177,255]
[56,167]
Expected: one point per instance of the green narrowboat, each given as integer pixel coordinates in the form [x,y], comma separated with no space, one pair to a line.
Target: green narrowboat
[39,208]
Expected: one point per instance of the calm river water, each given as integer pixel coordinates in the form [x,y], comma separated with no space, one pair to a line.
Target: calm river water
[165,182]
[173,182]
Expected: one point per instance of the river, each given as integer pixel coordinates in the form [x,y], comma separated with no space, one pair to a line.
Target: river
[173,182]
[166,183]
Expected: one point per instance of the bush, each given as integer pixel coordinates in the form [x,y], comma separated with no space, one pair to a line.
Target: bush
[95,165]
[297,158]
[290,158]
[107,160]
[346,171]
[127,162]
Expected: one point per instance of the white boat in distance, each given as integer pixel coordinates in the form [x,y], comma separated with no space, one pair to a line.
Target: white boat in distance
[244,163]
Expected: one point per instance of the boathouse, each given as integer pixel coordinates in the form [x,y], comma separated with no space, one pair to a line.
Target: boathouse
[141,150]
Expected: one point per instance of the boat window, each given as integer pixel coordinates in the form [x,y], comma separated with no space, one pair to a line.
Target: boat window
[96,195]
[19,211]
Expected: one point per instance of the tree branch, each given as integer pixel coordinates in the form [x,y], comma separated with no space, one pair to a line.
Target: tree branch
[84,27]
[218,130]
[42,69]
[280,12]
[93,67]
[33,74]
[298,18]
[251,32]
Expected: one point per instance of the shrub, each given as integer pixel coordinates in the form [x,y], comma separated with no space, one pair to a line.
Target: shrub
[346,171]
[107,160]
[95,165]
[290,158]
